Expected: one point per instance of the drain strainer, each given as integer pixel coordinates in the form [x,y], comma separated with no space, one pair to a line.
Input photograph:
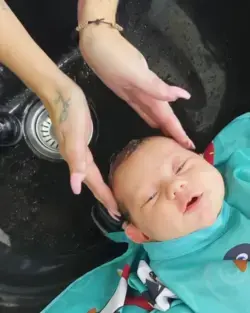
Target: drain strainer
[45,133]
[39,133]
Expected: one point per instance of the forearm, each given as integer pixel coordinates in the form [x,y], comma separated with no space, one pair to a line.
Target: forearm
[91,10]
[25,58]
[94,9]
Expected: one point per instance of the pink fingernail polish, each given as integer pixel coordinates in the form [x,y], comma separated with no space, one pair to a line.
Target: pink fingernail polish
[76,183]
[192,145]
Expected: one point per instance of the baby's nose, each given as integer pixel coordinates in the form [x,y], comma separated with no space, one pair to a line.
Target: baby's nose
[175,187]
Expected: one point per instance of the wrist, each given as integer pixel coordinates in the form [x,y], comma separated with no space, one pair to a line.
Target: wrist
[47,80]
[57,83]
[95,9]
[57,95]
[94,35]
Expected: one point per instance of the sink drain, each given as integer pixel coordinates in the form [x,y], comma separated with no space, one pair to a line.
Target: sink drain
[39,133]
[44,130]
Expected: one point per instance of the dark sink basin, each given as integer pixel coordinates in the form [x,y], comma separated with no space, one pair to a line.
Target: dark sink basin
[47,236]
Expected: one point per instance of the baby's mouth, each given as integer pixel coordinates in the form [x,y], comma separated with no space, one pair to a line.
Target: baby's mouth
[193,203]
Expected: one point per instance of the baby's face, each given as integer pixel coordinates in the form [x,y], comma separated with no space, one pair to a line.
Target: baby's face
[169,191]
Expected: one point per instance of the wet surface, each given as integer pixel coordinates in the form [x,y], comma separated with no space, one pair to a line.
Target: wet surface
[41,211]
[47,235]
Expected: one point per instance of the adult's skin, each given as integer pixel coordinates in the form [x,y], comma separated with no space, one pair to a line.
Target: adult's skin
[117,63]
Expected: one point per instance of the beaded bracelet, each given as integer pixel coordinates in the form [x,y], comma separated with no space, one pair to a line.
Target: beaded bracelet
[98,22]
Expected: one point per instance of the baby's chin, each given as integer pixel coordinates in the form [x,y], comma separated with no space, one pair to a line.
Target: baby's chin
[209,222]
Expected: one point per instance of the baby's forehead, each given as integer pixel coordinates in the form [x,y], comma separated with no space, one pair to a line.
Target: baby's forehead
[156,146]
[151,152]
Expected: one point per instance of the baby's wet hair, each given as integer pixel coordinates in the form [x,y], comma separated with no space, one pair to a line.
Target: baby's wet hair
[116,161]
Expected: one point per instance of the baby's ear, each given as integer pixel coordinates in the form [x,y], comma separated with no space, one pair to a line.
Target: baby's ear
[134,234]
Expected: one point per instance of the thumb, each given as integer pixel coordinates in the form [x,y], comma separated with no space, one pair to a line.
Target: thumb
[75,156]
[155,87]
[76,182]
[99,188]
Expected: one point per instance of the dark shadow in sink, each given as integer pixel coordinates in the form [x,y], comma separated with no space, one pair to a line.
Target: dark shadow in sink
[223,27]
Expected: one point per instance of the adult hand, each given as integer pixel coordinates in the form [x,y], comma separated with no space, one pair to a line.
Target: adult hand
[73,125]
[124,70]
[63,99]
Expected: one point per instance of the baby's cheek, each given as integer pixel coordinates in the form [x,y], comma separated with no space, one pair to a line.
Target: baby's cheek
[163,225]
[215,182]
[149,225]
[207,174]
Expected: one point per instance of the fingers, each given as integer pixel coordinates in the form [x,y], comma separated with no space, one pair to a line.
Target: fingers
[170,124]
[86,171]
[76,180]
[143,115]
[155,87]
[99,188]
[163,116]
[77,166]
[75,154]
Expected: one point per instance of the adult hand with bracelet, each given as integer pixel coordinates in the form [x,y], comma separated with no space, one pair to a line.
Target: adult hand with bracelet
[124,69]
[64,100]
[116,62]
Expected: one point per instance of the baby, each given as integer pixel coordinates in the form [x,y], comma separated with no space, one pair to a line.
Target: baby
[191,217]
[188,220]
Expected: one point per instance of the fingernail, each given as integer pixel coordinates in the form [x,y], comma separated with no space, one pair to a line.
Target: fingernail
[187,96]
[116,218]
[184,94]
[115,213]
[190,144]
[76,183]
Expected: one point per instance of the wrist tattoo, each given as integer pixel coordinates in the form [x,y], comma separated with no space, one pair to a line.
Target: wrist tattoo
[65,106]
